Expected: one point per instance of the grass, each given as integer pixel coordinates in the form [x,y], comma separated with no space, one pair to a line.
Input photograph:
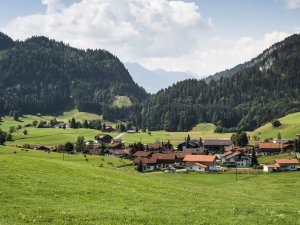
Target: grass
[174,137]
[289,129]
[204,127]
[79,116]
[270,159]
[49,136]
[40,188]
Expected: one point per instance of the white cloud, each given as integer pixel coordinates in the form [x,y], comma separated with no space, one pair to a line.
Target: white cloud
[156,33]
[128,28]
[292,4]
[227,54]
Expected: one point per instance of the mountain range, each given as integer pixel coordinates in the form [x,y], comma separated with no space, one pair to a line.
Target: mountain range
[154,80]
[40,75]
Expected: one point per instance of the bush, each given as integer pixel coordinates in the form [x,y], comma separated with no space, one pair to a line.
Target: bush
[276,123]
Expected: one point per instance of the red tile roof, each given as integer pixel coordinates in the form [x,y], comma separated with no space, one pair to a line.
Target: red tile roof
[142,154]
[287,161]
[233,155]
[200,158]
[269,145]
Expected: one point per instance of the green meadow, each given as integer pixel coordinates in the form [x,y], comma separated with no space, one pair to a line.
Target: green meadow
[289,129]
[40,188]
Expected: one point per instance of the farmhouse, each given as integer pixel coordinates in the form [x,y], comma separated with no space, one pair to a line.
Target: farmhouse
[200,163]
[188,144]
[236,158]
[164,160]
[282,165]
[120,153]
[216,145]
[146,164]
[268,148]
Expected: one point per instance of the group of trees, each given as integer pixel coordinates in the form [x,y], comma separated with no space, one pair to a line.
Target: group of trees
[243,101]
[4,136]
[69,147]
[52,77]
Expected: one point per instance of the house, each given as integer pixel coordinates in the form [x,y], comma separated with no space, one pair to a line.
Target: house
[188,144]
[120,153]
[109,129]
[103,138]
[216,145]
[200,162]
[236,158]
[95,150]
[179,157]
[282,165]
[269,148]
[143,154]
[164,160]
[146,164]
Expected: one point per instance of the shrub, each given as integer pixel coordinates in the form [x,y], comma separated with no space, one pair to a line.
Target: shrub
[276,123]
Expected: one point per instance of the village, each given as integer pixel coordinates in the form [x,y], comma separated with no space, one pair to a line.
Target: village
[208,155]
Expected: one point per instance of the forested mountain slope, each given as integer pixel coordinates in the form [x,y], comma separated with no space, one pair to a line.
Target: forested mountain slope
[45,76]
[267,88]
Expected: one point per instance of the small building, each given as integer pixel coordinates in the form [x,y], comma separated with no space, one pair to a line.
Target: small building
[109,129]
[269,148]
[282,165]
[120,153]
[165,161]
[147,164]
[200,163]
[179,157]
[116,146]
[188,144]
[216,145]
[236,158]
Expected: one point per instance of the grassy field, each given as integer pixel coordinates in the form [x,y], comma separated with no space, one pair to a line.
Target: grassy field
[174,137]
[40,188]
[270,159]
[289,129]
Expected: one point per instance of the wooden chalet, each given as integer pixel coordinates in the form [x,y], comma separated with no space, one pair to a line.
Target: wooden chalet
[269,148]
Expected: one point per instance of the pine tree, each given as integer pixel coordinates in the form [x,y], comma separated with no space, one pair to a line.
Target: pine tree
[279,136]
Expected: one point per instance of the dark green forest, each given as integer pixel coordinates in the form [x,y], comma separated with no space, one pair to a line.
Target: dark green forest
[40,75]
[266,88]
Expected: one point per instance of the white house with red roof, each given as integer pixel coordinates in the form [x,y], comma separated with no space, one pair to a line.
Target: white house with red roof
[236,158]
[200,163]
[282,165]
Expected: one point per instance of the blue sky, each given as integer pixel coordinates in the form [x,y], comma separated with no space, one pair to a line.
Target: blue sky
[200,36]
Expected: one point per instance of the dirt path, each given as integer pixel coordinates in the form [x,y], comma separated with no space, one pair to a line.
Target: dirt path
[119,136]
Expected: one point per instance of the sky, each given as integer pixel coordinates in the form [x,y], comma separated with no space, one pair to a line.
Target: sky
[198,36]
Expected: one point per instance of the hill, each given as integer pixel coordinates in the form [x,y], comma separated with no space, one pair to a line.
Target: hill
[40,75]
[265,90]
[155,80]
[289,129]
[34,182]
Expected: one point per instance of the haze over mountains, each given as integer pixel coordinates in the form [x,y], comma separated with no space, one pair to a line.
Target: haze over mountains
[155,80]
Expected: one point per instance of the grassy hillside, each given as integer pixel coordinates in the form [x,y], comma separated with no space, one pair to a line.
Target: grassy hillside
[174,137]
[50,137]
[289,129]
[40,188]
